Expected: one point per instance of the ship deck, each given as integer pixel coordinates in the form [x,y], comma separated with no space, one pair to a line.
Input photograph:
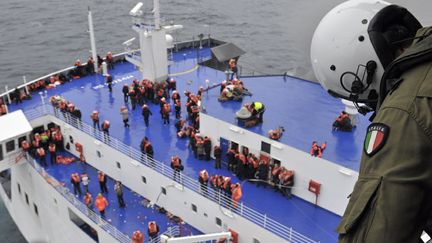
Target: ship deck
[302,107]
[135,216]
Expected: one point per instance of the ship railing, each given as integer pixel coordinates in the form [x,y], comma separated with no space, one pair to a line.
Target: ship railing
[64,191]
[227,205]
[172,231]
[24,87]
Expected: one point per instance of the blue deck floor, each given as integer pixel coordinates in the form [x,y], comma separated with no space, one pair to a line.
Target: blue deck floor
[302,107]
[135,216]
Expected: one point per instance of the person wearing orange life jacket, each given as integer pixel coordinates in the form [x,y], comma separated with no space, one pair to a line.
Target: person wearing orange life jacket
[203,180]
[109,59]
[137,237]
[53,153]
[287,182]
[76,181]
[236,194]
[105,129]
[102,182]
[41,154]
[317,150]
[95,118]
[152,229]
[101,203]
[343,123]
[275,175]
[226,186]
[176,165]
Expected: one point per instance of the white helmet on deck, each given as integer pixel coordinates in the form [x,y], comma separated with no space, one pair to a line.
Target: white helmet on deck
[355,42]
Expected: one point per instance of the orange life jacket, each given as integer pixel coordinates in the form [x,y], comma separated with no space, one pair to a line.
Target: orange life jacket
[76,178]
[105,125]
[175,161]
[276,170]
[236,194]
[137,237]
[101,203]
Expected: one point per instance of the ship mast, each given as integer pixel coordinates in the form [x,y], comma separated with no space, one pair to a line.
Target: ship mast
[153,57]
[92,40]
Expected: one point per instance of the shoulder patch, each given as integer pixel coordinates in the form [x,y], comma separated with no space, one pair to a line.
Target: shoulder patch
[376,136]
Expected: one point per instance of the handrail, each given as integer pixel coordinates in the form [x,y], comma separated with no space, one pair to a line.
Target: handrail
[64,191]
[172,231]
[178,45]
[216,196]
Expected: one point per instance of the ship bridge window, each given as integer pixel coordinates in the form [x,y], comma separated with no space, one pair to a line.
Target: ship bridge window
[265,147]
[10,146]
[80,223]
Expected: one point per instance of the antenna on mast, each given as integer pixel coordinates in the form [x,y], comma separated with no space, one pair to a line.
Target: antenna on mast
[92,40]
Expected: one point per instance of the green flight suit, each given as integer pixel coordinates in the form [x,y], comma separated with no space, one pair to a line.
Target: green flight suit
[392,198]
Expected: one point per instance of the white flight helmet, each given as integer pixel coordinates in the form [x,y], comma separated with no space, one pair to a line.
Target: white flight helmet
[351,48]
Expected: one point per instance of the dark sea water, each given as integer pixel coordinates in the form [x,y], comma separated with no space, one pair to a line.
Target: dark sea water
[38,37]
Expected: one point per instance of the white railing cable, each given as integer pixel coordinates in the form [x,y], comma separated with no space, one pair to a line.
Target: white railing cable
[216,196]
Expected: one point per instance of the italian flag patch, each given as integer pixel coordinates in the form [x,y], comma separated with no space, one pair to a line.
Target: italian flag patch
[376,137]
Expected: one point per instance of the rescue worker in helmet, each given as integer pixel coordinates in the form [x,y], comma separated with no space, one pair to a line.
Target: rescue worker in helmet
[257,109]
[381,57]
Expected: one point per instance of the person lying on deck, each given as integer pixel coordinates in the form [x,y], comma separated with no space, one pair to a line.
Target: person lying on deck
[276,134]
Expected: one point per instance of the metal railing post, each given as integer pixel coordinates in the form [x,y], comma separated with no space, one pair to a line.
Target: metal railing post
[25,85]
[8,94]
[265,221]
